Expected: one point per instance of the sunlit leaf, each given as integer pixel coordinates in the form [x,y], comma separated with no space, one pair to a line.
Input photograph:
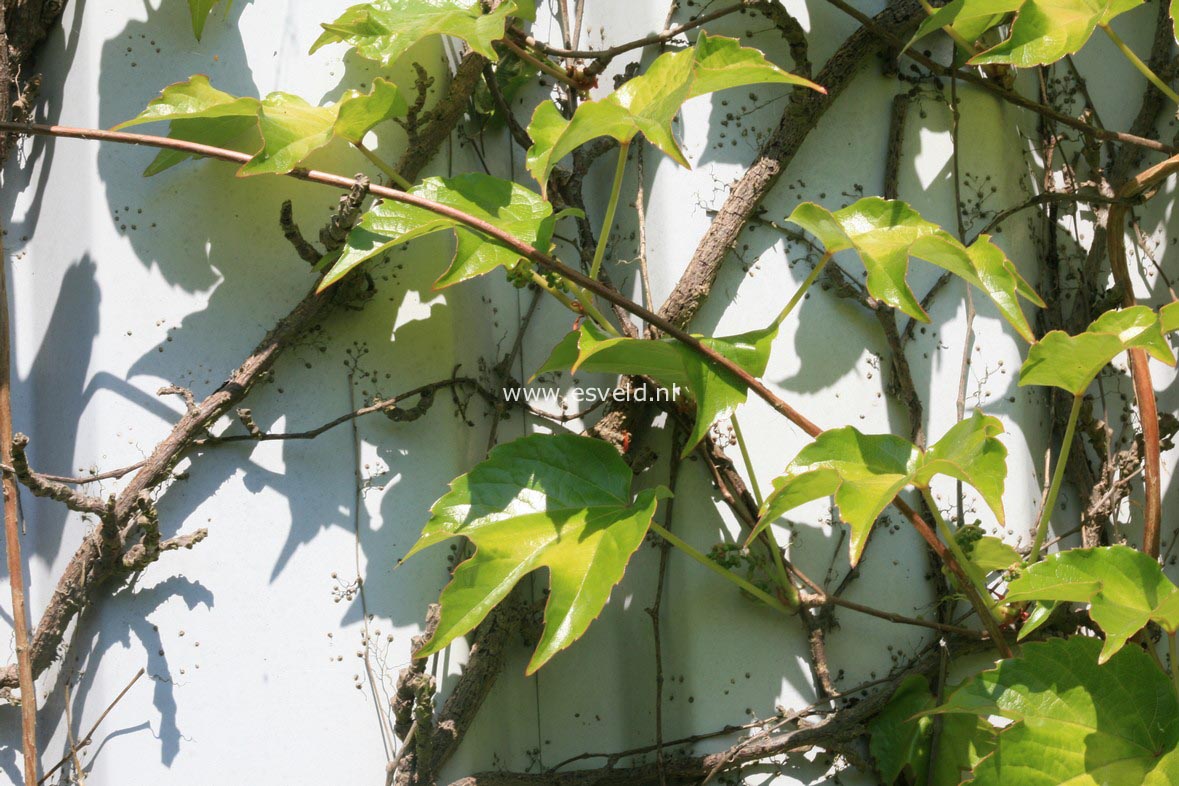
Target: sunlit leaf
[1125,589]
[384,30]
[968,18]
[864,472]
[1045,31]
[989,554]
[716,391]
[884,233]
[558,502]
[1075,722]
[1072,362]
[648,103]
[1169,317]
[510,207]
[900,742]
[279,131]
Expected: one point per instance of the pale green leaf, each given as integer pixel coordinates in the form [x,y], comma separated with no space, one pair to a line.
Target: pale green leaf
[864,472]
[559,502]
[1125,589]
[1072,362]
[1169,317]
[1039,612]
[1045,31]
[884,233]
[511,207]
[900,742]
[989,554]
[199,11]
[648,103]
[279,131]
[1075,722]
[968,18]
[716,391]
[384,30]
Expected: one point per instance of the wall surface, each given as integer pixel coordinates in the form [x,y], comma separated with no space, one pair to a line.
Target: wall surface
[264,663]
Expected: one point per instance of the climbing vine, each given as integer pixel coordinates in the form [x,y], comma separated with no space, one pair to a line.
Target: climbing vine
[1062,654]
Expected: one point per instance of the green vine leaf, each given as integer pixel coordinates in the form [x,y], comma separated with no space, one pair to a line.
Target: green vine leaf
[199,11]
[1169,317]
[648,103]
[384,30]
[1075,721]
[513,208]
[864,472]
[559,502]
[990,554]
[901,743]
[280,131]
[716,391]
[1073,362]
[884,233]
[1043,32]
[1125,589]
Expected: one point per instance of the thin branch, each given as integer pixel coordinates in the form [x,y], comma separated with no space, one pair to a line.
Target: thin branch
[86,740]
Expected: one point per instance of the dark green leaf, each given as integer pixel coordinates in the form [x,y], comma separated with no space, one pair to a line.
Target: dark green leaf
[1075,722]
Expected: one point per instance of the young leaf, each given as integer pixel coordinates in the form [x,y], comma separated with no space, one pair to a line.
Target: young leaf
[968,18]
[648,103]
[385,29]
[561,502]
[885,233]
[864,472]
[1125,589]
[511,207]
[1169,317]
[199,11]
[717,392]
[990,554]
[1075,721]
[1072,362]
[900,742]
[279,130]
[1045,31]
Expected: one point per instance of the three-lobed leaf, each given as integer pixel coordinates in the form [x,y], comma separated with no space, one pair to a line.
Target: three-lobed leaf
[385,29]
[1072,362]
[864,472]
[1043,31]
[559,502]
[513,208]
[279,131]
[1075,721]
[716,391]
[885,233]
[648,103]
[901,743]
[1125,589]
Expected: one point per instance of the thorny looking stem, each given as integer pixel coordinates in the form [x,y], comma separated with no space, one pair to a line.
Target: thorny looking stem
[1057,479]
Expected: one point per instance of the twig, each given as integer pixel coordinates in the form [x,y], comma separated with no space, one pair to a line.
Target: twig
[16,570]
[90,734]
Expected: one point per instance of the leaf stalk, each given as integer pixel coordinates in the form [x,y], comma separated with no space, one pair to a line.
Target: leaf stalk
[1057,478]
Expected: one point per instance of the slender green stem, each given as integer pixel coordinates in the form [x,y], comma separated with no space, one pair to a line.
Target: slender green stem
[947,534]
[814,275]
[586,302]
[611,207]
[703,559]
[380,163]
[959,39]
[747,459]
[1173,651]
[542,63]
[1142,67]
[541,282]
[1057,479]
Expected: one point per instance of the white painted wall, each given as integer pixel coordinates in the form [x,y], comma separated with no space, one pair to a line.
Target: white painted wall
[123,284]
